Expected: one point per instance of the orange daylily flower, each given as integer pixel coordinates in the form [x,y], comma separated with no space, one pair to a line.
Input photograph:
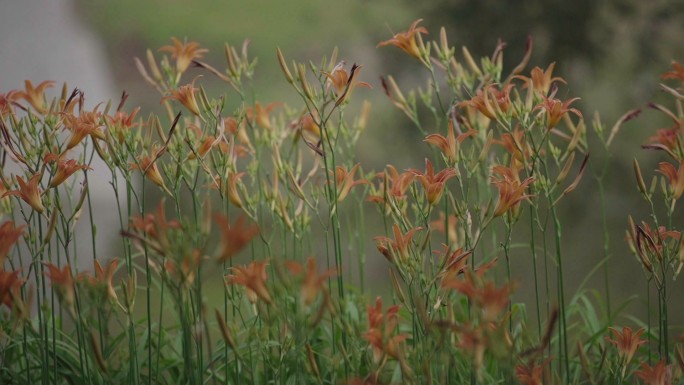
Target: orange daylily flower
[9,283]
[511,189]
[660,374]
[122,121]
[7,101]
[406,41]
[345,181]
[677,72]
[674,176]
[380,334]
[434,183]
[312,282]
[540,81]
[102,279]
[62,282]
[185,272]
[490,299]
[65,168]
[184,53]
[455,262]
[29,192]
[185,95]
[87,123]
[399,247]
[515,144]
[626,343]
[155,227]
[342,82]
[148,166]
[253,277]
[439,225]
[9,234]
[261,114]
[307,123]
[35,96]
[532,373]
[234,237]
[556,109]
[449,144]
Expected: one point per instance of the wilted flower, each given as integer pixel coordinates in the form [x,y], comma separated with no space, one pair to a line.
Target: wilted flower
[184,53]
[234,237]
[29,192]
[406,41]
[253,277]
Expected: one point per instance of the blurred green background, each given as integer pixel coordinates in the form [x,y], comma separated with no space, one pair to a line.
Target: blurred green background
[610,52]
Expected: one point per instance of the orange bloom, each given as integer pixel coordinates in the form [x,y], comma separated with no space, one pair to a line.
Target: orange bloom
[342,82]
[87,123]
[148,166]
[406,41]
[8,237]
[434,183]
[186,272]
[64,169]
[29,192]
[675,177]
[186,96]
[155,227]
[9,282]
[234,237]
[490,299]
[677,72]
[253,277]
[35,96]
[184,53]
[231,188]
[313,282]
[511,190]
[62,282]
[380,334]
[103,278]
[7,101]
[531,374]
[399,247]
[661,374]
[261,115]
[541,80]
[122,121]
[345,181]
[449,144]
[514,143]
[556,109]
[626,343]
